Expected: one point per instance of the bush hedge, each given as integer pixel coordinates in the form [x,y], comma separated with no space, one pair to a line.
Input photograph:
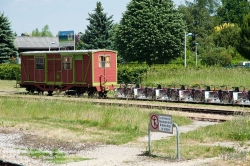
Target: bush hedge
[131,73]
[10,71]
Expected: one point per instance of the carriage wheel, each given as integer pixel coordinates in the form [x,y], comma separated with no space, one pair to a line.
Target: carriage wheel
[40,92]
[92,94]
[173,96]
[226,99]
[50,93]
[198,96]
[102,94]
[129,93]
[116,94]
[32,91]
[79,92]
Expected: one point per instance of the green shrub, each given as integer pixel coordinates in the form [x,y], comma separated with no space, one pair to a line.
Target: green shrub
[131,73]
[10,71]
[217,56]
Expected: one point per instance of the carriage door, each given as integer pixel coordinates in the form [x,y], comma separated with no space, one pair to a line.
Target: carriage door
[54,69]
[104,65]
[39,69]
[67,69]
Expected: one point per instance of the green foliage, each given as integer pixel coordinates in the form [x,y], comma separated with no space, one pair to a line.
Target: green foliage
[55,156]
[99,31]
[227,36]
[7,46]
[44,33]
[244,45]
[113,45]
[36,32]
[236,56]
[233,11]
[190,59]
[217,56]
[10,71]
[131,73]
[37,153]
[197,15]
[150,31]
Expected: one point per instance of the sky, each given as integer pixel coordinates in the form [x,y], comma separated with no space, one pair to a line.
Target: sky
[59,15]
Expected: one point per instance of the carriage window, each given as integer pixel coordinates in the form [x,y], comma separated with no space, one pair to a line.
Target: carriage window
[39,62]
[67,63]
[104,61]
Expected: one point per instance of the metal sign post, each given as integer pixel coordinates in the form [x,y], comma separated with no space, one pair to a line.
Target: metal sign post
[178,141]
[162,123]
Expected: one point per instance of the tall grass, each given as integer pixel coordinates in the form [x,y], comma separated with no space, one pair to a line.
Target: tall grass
[235,130]
[171,74]
[107,124]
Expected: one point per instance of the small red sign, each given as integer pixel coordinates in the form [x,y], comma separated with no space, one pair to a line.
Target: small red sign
[154,122]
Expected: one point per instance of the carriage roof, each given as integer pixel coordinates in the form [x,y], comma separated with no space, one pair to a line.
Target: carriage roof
[66,52]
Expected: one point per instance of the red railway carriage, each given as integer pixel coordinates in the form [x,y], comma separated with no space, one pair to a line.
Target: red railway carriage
[80,71]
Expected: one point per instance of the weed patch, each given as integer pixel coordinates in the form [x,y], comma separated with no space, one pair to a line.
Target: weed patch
[54,156]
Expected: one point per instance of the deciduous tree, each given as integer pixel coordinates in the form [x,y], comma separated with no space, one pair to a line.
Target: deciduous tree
[44,33]
[233,11]
[150,31]
[227,35]
[244,45]
[36,32]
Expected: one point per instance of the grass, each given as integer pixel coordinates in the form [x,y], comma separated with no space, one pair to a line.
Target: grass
[167,75]
[55,156]
[235,130]
[188,150]
[10,85]
[105,124]
[198,143]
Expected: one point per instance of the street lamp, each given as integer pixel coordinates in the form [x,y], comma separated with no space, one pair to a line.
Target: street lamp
[51,43]
[185,47]
[196,44]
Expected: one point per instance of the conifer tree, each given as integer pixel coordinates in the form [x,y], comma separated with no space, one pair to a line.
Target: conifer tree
[150,31]
[7,46]
[98,34]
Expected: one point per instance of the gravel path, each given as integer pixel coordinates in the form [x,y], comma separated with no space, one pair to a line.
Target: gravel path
[130,154]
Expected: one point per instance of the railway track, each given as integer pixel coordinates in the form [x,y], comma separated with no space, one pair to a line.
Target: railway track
[194,111]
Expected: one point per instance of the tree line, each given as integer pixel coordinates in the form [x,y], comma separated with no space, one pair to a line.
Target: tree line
[153,32]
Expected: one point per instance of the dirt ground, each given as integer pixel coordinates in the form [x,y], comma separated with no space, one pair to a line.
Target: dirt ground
[14,142]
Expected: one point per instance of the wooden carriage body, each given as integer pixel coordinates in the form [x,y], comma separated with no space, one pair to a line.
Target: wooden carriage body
[79,70]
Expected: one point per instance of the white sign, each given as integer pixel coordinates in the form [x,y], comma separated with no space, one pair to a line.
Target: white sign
[161,123]
[165,123]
